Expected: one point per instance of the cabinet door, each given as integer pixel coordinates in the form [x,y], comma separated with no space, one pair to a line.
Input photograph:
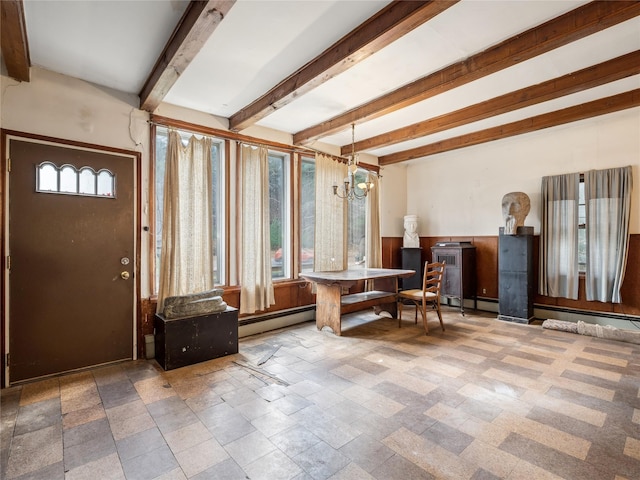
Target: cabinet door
[451,284]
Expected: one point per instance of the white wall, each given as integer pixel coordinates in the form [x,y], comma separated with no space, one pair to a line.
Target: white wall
[393,200]
[466,186]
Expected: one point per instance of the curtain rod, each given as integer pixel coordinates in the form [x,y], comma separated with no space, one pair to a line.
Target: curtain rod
[300,149]
[238,138]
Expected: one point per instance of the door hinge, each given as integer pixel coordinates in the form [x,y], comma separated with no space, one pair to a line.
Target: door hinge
[6,359]
[8,262]
[8,165]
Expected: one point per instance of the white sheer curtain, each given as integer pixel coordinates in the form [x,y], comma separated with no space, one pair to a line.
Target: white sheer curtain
[330,251]
[559,236]
[373,251]
[186,257]
[608,207]
[256,287]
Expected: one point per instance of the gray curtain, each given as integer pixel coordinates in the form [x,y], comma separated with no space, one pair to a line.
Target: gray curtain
[559,236]
[608,209]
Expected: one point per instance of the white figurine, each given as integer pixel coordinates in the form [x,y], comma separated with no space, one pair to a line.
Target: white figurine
[411,238]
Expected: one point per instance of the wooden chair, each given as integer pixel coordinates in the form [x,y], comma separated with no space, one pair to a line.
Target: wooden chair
[428,295]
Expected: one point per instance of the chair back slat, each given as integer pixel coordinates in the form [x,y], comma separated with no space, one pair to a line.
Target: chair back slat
[432,279]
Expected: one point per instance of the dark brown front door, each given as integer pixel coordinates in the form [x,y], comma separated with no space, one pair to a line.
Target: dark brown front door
[71,288]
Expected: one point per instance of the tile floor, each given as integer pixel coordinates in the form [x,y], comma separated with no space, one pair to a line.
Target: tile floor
[485,399]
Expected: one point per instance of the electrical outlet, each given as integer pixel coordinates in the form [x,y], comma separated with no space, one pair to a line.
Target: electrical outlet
[484,290]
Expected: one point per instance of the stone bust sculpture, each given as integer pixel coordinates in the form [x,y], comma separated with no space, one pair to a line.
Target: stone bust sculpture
[515,208]
[411,238]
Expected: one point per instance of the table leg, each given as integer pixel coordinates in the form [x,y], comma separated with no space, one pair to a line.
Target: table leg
[386,285]
[328,307]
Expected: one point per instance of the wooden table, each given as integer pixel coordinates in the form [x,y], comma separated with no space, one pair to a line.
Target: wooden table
[331,304]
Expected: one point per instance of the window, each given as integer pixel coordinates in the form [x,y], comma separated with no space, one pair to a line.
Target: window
[582,230]
[307,213]
[357,224]
[279,216]
[217,180]
[68,180]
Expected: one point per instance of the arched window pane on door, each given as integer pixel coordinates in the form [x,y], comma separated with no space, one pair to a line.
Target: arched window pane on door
[68,180]
[106,184]
[47,178]
[87,181]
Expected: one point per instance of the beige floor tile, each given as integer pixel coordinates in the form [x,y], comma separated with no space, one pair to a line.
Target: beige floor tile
[38,391]
[79,398]
[125,427]
[517,380]
[490,458]
[580,387]
[351,472]
[80,417]
[383,406]
[154,389]
[487,433]
[617,362]
[544,434]
[105,468]
[187,437]
[632,448]
[526,471]
[200,457]
[570,409]
[430,457]
[595,372]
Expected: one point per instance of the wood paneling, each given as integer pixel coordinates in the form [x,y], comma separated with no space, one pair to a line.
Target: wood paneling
[487,273]
[487,266]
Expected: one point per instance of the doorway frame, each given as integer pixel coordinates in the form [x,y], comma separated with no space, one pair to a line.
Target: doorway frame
[5,139]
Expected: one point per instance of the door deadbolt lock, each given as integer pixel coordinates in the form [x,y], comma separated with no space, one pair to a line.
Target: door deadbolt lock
[125,275]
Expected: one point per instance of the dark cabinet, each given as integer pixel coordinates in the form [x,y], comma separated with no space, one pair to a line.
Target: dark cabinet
[459,280]
[515,276]
[412,260]
[185,341]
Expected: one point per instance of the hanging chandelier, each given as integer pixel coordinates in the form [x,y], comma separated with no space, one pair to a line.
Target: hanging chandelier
[349,189]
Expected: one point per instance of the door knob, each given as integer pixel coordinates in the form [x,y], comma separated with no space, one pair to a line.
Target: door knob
[125,275]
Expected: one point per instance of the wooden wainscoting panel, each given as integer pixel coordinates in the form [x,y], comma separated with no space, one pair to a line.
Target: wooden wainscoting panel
[487,266]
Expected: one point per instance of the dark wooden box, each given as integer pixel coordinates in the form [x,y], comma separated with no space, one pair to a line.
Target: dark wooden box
[185,341]
[515,276]
[412,260]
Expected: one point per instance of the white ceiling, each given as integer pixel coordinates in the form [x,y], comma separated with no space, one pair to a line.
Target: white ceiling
[259,43]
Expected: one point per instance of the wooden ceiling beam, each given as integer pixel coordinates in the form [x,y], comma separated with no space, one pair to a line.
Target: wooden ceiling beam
[197,24]
[13,37]
[583,111]
[392,22]
[574,25]
[593,76]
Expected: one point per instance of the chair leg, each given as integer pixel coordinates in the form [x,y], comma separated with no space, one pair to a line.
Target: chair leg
[437,305]
[400,314]
[424,317]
